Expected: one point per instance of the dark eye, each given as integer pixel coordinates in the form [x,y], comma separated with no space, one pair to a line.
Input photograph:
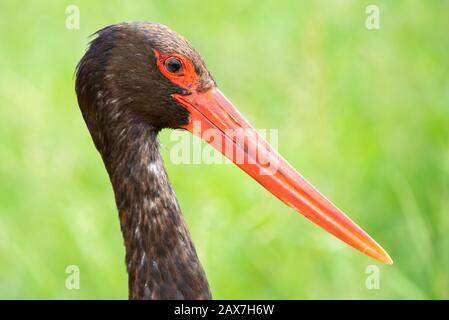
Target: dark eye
[173,65]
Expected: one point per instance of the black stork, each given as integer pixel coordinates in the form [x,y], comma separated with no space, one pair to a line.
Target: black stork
[138,78]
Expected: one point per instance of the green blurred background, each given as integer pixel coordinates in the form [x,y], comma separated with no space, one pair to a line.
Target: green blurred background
[363,114]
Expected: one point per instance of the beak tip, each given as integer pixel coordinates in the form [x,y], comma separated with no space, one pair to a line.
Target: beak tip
[379,254]
[385,258]
[389,260]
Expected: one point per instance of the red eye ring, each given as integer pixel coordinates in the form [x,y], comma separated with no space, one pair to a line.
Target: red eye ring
[185,77]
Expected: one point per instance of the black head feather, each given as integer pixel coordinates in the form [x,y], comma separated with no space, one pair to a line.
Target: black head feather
[117,80]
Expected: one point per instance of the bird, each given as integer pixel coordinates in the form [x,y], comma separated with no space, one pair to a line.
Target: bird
[138,78]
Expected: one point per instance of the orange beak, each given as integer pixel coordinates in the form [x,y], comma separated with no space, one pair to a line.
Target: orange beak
[214,119]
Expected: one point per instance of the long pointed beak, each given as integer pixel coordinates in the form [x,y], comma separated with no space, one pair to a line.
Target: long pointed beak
[214,118]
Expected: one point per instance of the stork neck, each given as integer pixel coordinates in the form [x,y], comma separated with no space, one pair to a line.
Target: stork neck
[160,257]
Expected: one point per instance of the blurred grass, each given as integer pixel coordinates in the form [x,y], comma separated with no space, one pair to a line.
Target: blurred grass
[362,114]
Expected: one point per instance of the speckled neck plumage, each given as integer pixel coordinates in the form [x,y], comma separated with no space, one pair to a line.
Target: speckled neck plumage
[160,257]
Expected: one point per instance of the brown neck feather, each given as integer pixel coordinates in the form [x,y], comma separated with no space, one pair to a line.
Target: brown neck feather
[160,257]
